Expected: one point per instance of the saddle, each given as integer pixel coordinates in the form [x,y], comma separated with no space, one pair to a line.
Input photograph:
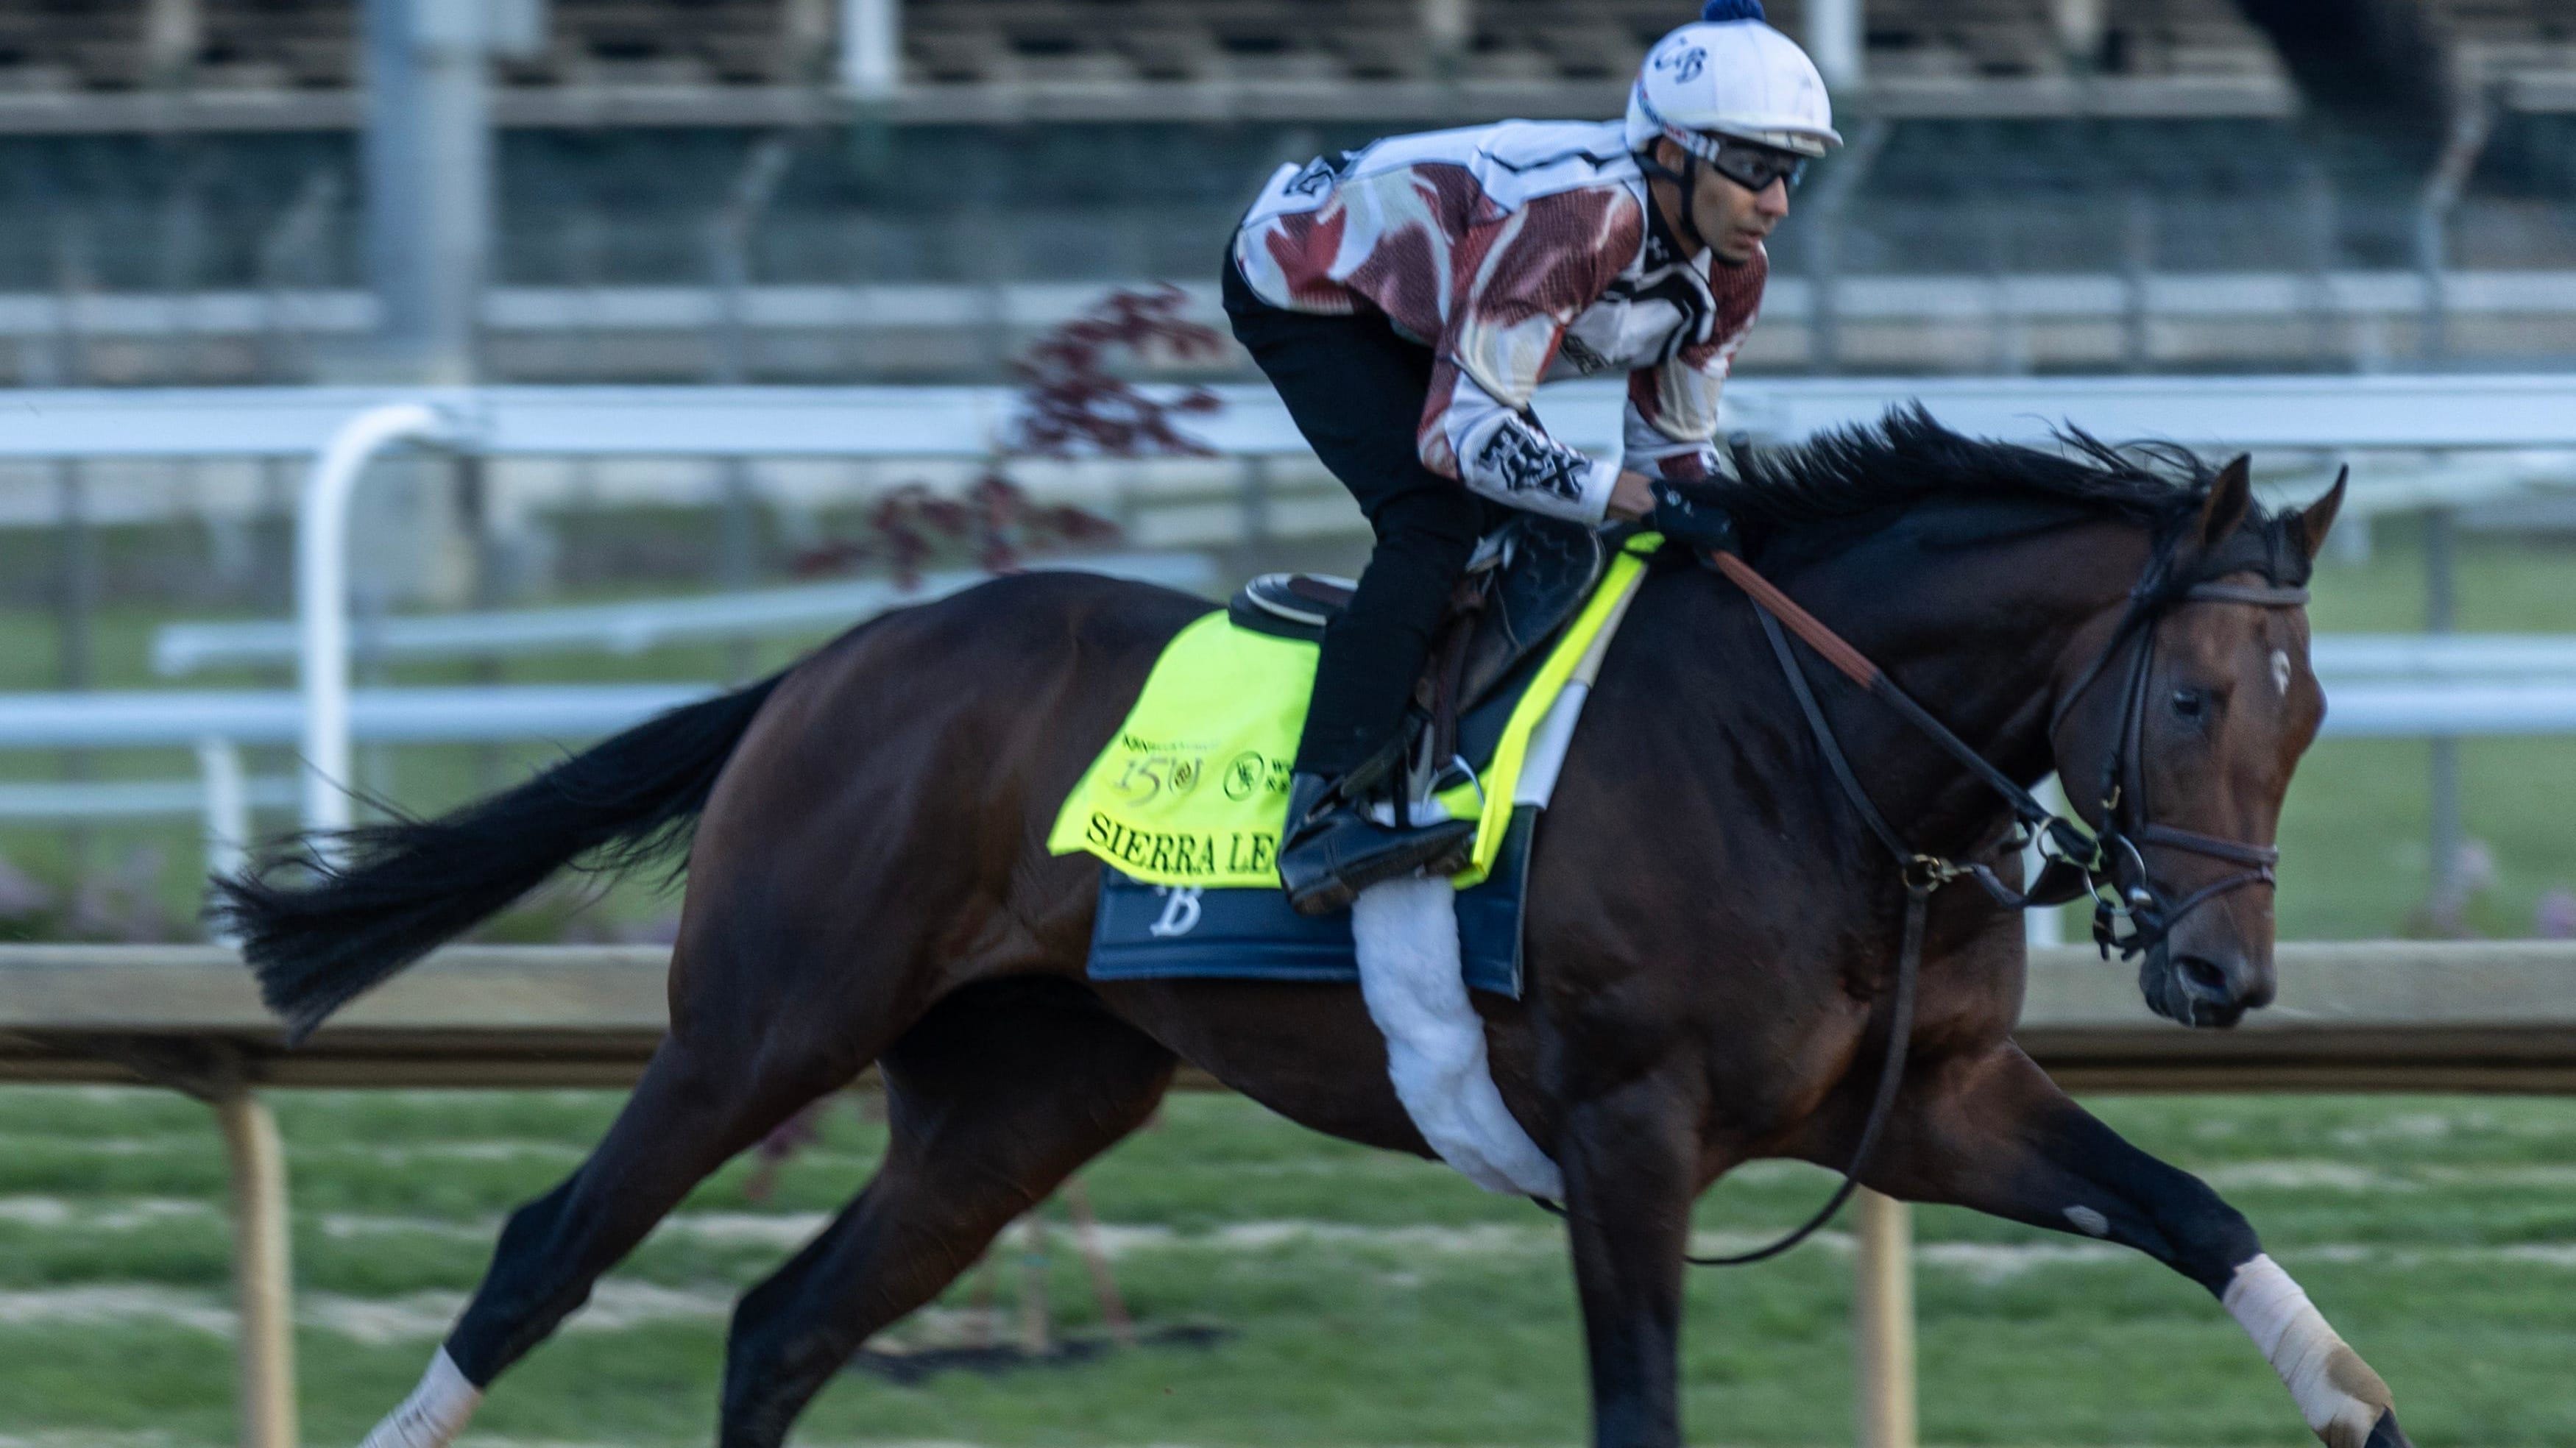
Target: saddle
[1527,579]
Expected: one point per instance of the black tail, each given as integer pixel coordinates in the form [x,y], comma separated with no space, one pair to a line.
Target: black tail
[318,934]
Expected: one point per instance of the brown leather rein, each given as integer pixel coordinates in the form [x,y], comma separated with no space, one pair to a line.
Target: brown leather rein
[2109,863]
[2111,858]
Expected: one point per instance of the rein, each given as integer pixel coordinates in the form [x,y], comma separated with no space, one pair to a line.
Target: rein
[2110,864]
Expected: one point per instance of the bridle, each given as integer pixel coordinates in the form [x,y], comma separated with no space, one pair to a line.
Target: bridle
[2115,871]
[2108,862]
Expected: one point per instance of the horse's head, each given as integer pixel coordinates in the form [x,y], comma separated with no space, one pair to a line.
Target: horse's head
[2179,718]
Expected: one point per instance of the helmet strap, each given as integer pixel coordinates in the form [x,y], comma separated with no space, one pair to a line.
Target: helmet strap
[1687,179]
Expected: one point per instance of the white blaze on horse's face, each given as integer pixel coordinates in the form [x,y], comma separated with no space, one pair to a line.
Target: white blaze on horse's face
[2229,707]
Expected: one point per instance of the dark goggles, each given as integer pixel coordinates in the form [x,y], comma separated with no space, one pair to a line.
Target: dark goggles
[1752,166]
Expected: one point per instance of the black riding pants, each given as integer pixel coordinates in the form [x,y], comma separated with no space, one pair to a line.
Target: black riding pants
[1356,390]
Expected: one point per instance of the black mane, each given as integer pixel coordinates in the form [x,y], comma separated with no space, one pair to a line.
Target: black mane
[1864,471]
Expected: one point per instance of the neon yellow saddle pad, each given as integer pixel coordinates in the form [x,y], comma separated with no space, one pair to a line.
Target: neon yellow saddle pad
[1193,789]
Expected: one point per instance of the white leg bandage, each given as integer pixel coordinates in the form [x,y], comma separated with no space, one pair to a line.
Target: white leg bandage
[434,1413]
[2336,1391]
[1406,932]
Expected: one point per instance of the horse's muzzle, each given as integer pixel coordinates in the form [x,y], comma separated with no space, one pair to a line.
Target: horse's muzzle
[2201,991]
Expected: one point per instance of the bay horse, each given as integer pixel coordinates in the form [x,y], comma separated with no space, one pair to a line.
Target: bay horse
[1709,929]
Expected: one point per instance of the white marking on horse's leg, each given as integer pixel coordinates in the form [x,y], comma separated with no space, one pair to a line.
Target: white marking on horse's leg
[2281,671]
[1406,936]
[2088,1221]
[434,1413]
[2336,1391]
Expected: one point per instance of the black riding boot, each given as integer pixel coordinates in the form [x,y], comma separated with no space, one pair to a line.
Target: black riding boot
[1356,390]
[1332,850]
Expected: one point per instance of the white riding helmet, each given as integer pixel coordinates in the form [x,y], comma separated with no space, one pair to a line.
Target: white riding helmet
[1730,75]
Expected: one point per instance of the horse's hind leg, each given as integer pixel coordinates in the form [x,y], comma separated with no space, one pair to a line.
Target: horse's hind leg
[1997,1135]
[705,1095]
[993,1099]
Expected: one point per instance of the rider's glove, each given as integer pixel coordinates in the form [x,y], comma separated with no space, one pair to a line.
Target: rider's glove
[1701,527]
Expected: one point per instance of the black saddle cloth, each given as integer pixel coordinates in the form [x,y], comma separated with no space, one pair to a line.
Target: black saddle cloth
[1531,575]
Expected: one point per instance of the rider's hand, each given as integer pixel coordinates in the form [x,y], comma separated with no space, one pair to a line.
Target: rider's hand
[1700,526]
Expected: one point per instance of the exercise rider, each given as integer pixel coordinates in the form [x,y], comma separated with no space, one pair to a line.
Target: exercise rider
[1407,298]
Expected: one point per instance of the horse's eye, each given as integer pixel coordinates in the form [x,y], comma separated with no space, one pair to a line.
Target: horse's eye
[2188,703]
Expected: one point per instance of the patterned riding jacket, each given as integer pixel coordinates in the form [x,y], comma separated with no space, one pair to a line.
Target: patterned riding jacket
[1519,253]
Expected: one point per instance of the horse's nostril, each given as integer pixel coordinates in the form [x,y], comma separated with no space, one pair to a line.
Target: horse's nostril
[2204,978]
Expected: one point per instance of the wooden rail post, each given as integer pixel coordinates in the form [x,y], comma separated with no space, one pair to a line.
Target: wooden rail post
[1883,1322]
[264,1282]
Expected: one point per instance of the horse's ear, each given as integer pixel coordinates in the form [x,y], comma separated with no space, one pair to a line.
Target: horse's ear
[2317,517]
[2228,499]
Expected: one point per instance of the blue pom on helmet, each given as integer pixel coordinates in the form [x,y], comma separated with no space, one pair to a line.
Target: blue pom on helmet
[1718,12]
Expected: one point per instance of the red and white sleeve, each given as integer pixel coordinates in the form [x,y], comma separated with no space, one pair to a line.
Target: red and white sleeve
[1672,414]
[1516,283]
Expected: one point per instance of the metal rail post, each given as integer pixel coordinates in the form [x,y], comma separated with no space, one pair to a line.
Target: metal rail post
[1824,241]
[1256,505]
[755,186]
[76,617]
[2080,26]
[264,1278]
[322,593]
[1449,30]
[227,830]
[729,236]
[428,158]
[2137,280]
[292,271]
[1835,32]
[730,261]
[2433,208]
[174,31]
[1883,1322]
[2449,903]
[871,61]
[2327,338]
[1036,1336]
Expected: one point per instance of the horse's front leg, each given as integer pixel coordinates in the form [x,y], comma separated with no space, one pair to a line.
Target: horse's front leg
[1997,1135]
[1631,1158]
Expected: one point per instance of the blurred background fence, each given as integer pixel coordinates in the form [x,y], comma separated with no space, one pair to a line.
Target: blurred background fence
[839,190]
[338,194]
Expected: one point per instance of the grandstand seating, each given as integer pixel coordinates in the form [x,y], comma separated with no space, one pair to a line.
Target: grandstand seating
[2020,174]
[67,49]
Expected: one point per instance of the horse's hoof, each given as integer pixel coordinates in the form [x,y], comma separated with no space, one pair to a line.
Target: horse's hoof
[2386,1433]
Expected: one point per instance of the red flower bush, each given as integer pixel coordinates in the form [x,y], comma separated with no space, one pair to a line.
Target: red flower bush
[1073,405]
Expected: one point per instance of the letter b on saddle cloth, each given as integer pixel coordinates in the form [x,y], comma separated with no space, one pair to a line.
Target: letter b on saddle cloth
[1186,804]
